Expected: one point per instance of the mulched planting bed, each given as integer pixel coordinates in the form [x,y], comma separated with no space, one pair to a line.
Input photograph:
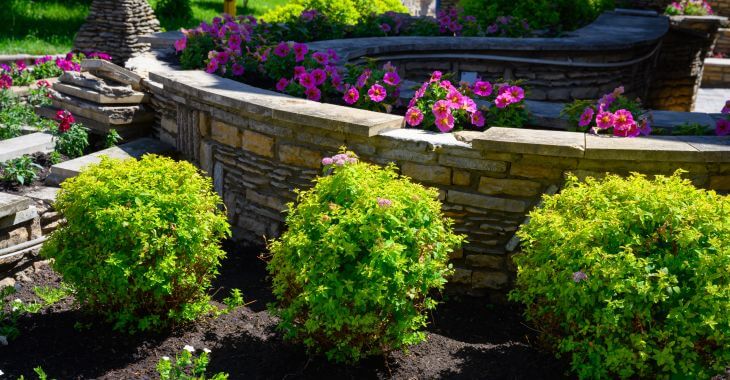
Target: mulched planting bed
[42,159]
[467,339]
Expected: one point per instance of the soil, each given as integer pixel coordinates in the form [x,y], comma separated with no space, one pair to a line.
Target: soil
[42,159]
[467,339]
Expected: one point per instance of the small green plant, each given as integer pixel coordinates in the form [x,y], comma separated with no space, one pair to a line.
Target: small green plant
[142,241]
[15,114]
[39,372]
[691,129]
[234,300]
[186,366]
[364,248]
[11,311]
[112,138]
[21,170]
[629,277]
[73,142]
[55,157]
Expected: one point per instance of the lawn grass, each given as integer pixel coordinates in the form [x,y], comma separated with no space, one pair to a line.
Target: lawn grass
[49,26]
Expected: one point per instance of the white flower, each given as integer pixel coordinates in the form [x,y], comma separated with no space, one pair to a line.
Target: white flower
[207,351]
[167,358]
[18,300]
[1,373]
[3,340]
[189,348]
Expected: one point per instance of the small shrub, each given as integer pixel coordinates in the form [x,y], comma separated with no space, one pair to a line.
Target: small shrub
[72,139]
[21,170]
[689,8]
[112,138]
[557,14]
[141,243]
[339,11]
[174,9]
[187,367]
[629,277]
[364,248]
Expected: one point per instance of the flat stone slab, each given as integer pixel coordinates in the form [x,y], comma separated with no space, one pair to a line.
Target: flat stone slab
[44,194]
[672,119]
[108,70]
[420,135]
[26,144]
[532,141]
[19,217]
[649,148]
[11,204]
[127,131]
[98,97]
[112,115]
[134,149]
[712,148]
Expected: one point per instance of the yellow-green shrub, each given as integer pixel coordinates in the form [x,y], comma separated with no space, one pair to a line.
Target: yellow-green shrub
[631,277]
[363,249]
[338,11]
[141,242]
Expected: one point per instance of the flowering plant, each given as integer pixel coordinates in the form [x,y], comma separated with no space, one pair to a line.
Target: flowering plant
[614,113]
[186,366]
[72,138]
[689,8]
[722,126]
[300,72]
[452,21]
[20,74]
[370,88]
[440,106]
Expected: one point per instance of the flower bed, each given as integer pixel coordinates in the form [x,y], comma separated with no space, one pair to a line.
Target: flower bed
[20,74]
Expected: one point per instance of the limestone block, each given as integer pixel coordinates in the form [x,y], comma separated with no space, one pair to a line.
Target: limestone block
[488,202]
[225,134]
[257,143]
[427,173]
[517,187]
[298,156]
[461,178]
[489,280]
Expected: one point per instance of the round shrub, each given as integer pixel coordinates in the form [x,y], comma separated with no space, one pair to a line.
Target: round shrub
[338,11]
[142,241]
[363,249]
[557,14]
[630,277]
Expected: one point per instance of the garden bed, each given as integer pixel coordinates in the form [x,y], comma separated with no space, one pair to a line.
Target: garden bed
[468,338]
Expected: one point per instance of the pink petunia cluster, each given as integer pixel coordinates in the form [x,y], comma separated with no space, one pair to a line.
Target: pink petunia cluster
[722,126]
[380,86]
[609,115]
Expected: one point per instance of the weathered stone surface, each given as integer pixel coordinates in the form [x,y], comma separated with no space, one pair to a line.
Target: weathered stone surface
[100,98]
[298,156]
[11,204]
[535,171]
[225,134]
[484,201]
[108,70]
[95,84]
[265,200]
[650,148]
[461,178]
[720,183]
[258,143]
[26,144]
[518,187]
[461,276]
[118,115]
[18,217]
[474,164]
[531,141]
[427,173]
[485,261]
[711,148]
[127,131]
[489,280]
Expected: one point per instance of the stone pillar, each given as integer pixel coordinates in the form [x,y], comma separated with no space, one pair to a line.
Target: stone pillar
[114,27]
[681,60]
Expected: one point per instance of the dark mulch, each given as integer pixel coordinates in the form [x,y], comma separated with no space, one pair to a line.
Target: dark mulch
[42,159]
[468,339]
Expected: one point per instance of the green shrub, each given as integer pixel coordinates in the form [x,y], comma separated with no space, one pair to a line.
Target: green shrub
[141,245]
[338,11]
[73,142]
[20,170]
[363,249]
[558,14]
[196,53]
[631,277]
[174,9]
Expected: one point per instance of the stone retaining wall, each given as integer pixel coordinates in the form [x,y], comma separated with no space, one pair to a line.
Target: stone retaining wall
[259,146]
[716,72]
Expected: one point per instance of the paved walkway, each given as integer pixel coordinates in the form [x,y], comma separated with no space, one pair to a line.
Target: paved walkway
[711,100]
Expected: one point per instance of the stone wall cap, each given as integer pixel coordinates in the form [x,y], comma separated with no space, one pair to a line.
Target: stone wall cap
[433,138]
[531,141]
[650,148]
[241,97]
[712,148]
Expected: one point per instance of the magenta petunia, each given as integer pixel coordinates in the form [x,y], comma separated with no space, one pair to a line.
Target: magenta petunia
[298,71]
[455,98]
[468,105]
[281,84]
[631,130]
[414,116]
[321,58]
[377,93]
[586,117]
[726,108]
[282,49]
[351,95]
[435,76]
[722,128]
[623,119]
[313,93]
[300,50]
[645,127]
[517,93]
[446,123]
[363,78]
[503,100]
[483,88]
[212,66]
[319,76]
[385,27]
[605,120]
[477,119]
[441,109]
[391,78]
[306,80]
[181,44]
[234,42]
[238,69]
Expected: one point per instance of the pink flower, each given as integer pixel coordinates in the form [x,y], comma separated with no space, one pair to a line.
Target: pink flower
[332,55]
[391,78]
[586,117]
[43,83]
[234,42]
[212,66]
[319,76]
[623,119]
[321,58]
[336,81]
[631,130]
[377,93]
[306,80]
[517,93]
[468,105]
[579,276]
[441,109]
[181,44]
[455,98]
[384,203]
[477,119]
[282,49]
[503,100]
[493,28]
[351,95]
[605,120]
[722,128]
[6,81]
[726,108]
[446,123]
[298,71]
[64,119]
[238,69]
[420,92]
[300,50]
[327,161]
[414,116]
[313,93]
[363,78]
[483,88]
[645,127]
[281,84]
[435,76]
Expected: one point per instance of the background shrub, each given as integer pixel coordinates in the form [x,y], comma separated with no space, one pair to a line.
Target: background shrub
[557,14]
[338,11]
[630,277]
[353,272]
[142,240]
[174,9]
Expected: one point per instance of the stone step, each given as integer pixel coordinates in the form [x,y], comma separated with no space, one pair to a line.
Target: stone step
[26,144]
[113,115]
[98,97]
[12,204]
[127,131]
[134,149]
[108,70]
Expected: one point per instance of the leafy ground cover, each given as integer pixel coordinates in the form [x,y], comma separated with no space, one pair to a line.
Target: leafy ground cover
[49,26]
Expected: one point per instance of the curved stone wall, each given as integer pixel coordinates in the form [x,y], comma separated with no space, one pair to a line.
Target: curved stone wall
[260,145]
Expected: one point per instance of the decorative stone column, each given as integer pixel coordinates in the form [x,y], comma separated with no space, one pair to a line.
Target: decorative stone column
[681,61]
[114,27]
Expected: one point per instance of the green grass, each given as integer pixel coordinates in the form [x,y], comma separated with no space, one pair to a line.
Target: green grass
[49,26]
